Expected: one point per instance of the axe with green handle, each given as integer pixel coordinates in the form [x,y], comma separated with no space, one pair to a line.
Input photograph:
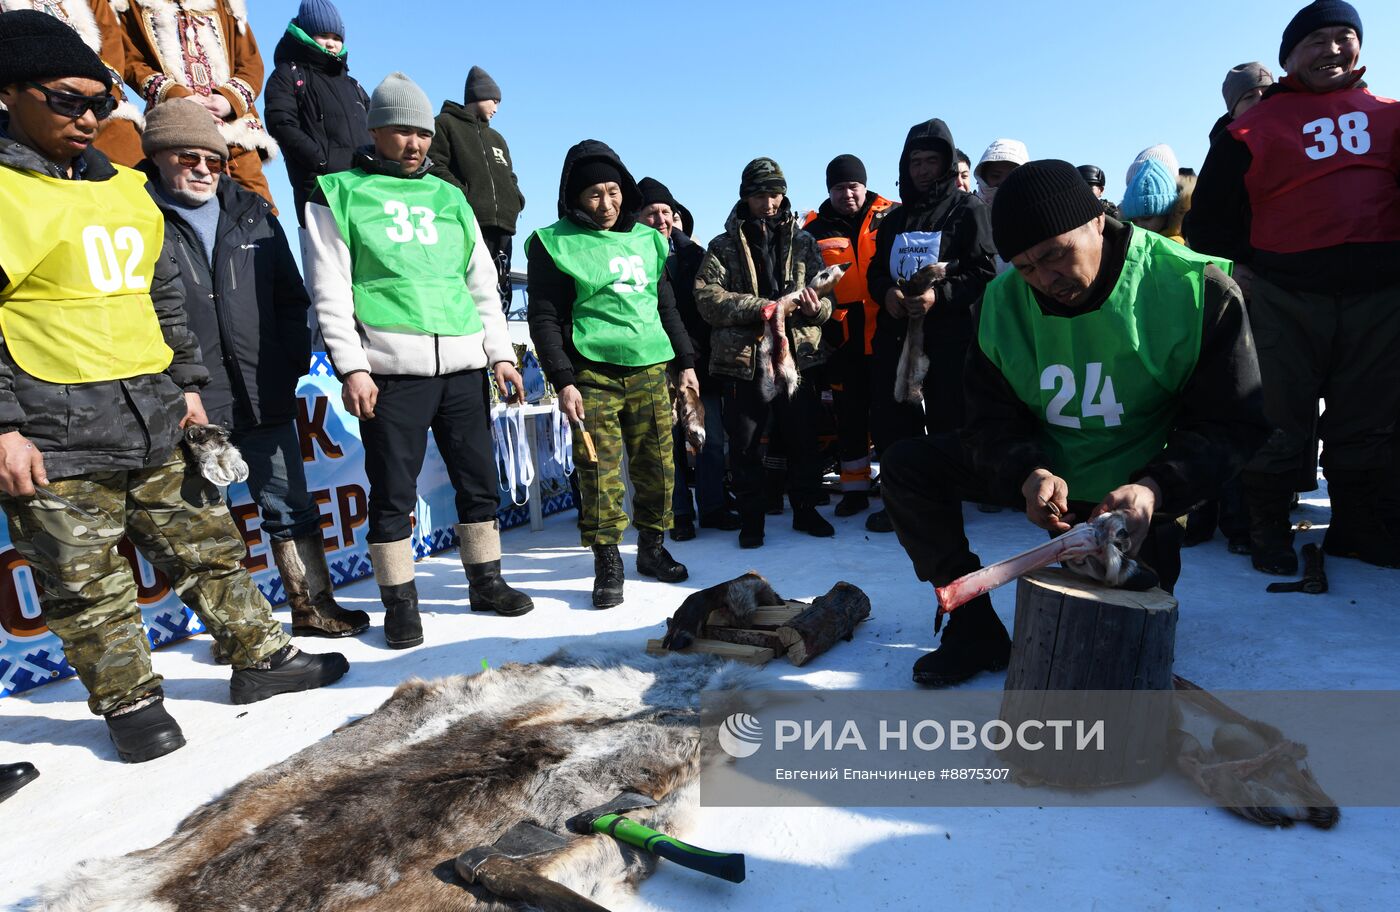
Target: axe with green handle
[608,819]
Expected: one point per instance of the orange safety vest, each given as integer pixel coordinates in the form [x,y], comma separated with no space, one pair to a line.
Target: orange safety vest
[853,288]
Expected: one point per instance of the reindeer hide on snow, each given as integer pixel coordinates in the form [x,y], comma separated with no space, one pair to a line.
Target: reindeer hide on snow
[371,817]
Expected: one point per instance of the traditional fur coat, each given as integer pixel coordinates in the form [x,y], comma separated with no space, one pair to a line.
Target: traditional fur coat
[179,48]
[97,23]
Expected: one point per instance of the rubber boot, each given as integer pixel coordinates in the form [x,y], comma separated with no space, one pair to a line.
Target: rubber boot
[288,670]
[144,730]
[393,571]
[655,561]
[1270,528]
[608,576]
[481,559]
[974,641]
[307,581]
[1358,528]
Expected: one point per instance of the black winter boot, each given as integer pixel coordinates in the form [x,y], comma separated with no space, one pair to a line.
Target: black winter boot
[144,730]
[683,530]
[975,640]
[751,522]
[853,502]
[724,520]
[608,576]
[807,519]
[15,776]
[490,592]
[655,561]
[288,670]
[402,625]
[1358,528]
[879,521]
[1270,528]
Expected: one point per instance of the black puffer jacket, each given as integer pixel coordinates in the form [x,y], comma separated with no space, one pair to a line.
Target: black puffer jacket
[552,292]
[316,111]
[248,311]
[109,425]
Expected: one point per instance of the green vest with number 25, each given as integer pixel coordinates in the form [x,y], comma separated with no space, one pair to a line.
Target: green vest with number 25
[1104,384]
[617,319]
[410,241]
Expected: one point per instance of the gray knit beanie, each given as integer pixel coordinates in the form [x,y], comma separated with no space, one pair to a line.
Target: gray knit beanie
[398,102]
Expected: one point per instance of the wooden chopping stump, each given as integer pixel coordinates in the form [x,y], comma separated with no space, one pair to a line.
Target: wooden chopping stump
[1072,635]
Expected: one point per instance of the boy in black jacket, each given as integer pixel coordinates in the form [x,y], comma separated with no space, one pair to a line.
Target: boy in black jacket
[314,108]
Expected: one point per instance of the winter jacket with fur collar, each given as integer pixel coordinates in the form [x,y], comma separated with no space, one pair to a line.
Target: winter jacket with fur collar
[728,292]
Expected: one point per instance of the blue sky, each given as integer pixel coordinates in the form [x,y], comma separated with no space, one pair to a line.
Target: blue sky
[690,92]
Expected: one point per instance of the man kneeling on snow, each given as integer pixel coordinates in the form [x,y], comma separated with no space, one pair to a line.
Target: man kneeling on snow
[1113,370]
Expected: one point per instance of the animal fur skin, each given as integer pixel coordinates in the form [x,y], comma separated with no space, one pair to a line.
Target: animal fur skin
[739,597]
[913,361]
[217,458]
[371,818]
[777,371]
[687,413]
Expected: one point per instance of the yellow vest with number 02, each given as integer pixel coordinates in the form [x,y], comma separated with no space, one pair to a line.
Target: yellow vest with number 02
[79,257]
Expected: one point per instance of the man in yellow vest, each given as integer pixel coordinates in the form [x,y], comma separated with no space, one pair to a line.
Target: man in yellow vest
[1110,370]
[98,375]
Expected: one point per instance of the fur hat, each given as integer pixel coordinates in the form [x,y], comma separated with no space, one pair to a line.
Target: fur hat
[398,102]
[181,123]
[1151,192]
[1316,15]
[35,46]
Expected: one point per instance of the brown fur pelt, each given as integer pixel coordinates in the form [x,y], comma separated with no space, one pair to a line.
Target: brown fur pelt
[738,598]
[371,817]
[913,361]
[777,371]
[687,413]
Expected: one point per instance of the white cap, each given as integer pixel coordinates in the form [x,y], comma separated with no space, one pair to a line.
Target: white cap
[1003,150]
[1160,152]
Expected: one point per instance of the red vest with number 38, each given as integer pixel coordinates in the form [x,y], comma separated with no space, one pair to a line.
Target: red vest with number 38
[1325,171]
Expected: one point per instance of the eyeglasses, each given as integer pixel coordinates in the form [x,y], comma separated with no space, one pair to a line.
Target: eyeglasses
[215,163]
[71,104]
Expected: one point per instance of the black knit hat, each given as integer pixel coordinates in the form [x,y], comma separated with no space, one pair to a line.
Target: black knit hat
[35,46]
[653,191]
[1038,201]
[1093,175]
[481,87]
[845,169]
[1316,15]
[588,172]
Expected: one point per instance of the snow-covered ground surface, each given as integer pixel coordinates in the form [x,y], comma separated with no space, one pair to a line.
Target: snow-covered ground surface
[1231,635]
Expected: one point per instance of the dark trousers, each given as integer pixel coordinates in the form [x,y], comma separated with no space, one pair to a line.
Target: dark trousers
[709,464]
[1339,347]
[926,480]
[500,243]
[792,436]
[277,480]
[947,336]
[850,375]
[457,409]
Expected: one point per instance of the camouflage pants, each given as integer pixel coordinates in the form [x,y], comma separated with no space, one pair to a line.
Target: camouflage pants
[178,521]
[624,408]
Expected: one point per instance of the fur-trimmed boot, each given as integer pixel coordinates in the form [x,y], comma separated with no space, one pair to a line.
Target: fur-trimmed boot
[307,582]
[608,576]
[393,570]
[655,561]
[481,559]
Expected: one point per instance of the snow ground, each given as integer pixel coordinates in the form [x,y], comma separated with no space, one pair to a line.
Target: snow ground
[1231,635]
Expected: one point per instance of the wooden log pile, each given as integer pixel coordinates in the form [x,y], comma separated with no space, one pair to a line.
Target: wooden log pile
[746,621]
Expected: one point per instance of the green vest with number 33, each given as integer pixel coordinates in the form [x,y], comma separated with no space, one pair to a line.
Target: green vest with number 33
[1106,384]
[617,319]
[410,241]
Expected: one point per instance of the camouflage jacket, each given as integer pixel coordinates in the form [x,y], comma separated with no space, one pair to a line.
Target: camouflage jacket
[726,293]
[108,425]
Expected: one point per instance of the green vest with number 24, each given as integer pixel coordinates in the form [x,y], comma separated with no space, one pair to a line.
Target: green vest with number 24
[617,319]
[1104,384]
[410,241]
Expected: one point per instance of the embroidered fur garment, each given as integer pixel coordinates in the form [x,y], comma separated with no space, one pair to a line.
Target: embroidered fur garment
[371,818]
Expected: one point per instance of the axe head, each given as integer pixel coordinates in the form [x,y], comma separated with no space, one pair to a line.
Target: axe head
[521,841]
[627,801]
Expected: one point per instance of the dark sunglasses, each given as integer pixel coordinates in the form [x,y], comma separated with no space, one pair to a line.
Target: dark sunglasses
[71,104]
[214,163]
